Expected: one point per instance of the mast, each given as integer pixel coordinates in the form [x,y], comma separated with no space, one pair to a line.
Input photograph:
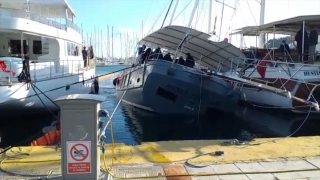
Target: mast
[174,11]
[210,14]
[101,44]
[112,42]
[222,11]
[262,12]
[120,45]
[193,12]
[165,17]
[95,40]
[108,42]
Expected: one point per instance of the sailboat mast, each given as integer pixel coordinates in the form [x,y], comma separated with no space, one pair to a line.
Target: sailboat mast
[112,42]
[108,42]
[262,12]
[120,45]
[210,14]
[222,11]
[101,44]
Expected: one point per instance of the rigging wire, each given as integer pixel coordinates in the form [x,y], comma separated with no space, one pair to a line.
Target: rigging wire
[182,10]
[251,12]
[147,12]
[158,17]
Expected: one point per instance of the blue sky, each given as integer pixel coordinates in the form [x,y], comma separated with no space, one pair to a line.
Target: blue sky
[127,15]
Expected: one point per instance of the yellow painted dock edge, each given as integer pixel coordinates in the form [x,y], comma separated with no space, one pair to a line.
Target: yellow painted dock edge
[101,78]
[176,152]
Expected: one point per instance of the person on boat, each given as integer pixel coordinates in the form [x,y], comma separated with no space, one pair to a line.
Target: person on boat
[91,52]
[189,61]
[167,57]
[145,56]
[180,61]
[313,41]
[299,37]
[284,47]
[84,56]
[157,54]
[141,49]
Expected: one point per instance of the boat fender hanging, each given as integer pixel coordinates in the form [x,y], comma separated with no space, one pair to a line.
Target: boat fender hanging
[96,85]
[83,82]
[67,87]
[115,81]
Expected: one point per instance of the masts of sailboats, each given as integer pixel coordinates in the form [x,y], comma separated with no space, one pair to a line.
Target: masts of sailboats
[222,11]
[101,45]
[112,42]
[120,45]
[210,14]
[262,11]
[108,42]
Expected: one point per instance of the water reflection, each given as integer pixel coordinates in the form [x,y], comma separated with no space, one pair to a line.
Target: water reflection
[145,126]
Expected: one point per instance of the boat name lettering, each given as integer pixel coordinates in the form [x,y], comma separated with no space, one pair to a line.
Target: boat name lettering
[311,73]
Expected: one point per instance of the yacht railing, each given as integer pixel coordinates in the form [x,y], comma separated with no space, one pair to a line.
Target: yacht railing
[41,70]
[18,13]
[289,68]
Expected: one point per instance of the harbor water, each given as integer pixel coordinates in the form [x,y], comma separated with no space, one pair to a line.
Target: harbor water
[134,126]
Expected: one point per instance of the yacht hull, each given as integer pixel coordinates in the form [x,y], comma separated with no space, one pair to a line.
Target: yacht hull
[21,98]
[177,91]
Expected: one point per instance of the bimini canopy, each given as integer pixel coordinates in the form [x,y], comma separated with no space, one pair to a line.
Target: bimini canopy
[210,53]
[287,26]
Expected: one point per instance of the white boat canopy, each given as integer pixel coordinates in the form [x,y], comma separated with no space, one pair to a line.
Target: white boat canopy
[207,53]
[287,26]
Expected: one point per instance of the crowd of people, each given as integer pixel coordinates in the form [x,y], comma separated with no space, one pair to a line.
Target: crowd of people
[147,54]
[87,55]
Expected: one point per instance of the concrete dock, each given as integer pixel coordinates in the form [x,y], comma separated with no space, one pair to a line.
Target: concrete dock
[289,158]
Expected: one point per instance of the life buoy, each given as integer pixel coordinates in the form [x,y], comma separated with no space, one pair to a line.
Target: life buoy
[3,67]
[49,138]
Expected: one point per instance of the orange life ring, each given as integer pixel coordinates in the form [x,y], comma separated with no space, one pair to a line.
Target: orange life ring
[50,138]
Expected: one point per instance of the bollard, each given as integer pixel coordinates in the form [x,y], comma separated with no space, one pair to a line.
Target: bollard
[80,156]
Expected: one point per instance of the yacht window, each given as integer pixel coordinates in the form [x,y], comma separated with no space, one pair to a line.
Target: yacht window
[37,47]
[166,94]
[69,48]
[15,46]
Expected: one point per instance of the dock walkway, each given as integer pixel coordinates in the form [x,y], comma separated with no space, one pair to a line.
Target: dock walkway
[263,159]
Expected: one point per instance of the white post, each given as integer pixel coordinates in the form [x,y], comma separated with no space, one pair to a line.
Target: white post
[210,14]
[262,10]
[174,11]
[221,19]
[193,12]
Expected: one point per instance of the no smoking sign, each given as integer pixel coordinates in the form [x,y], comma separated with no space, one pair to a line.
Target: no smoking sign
[78,158]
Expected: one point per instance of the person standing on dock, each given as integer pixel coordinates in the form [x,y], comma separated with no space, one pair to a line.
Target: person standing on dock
[84,56]
[313,41]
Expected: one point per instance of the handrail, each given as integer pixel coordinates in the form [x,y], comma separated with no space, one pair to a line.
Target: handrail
[19,13]
[43,70]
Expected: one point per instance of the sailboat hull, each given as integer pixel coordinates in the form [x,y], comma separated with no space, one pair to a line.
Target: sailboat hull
[177,91]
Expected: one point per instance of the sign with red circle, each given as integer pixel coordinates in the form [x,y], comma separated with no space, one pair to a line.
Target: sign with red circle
[79,157]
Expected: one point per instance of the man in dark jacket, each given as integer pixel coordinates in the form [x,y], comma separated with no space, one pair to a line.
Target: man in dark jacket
[299,37]
[189,61]
[84,56]
[313,41]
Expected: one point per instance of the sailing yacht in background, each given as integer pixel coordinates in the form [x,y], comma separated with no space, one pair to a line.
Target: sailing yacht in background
[28,31]
[278,69]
